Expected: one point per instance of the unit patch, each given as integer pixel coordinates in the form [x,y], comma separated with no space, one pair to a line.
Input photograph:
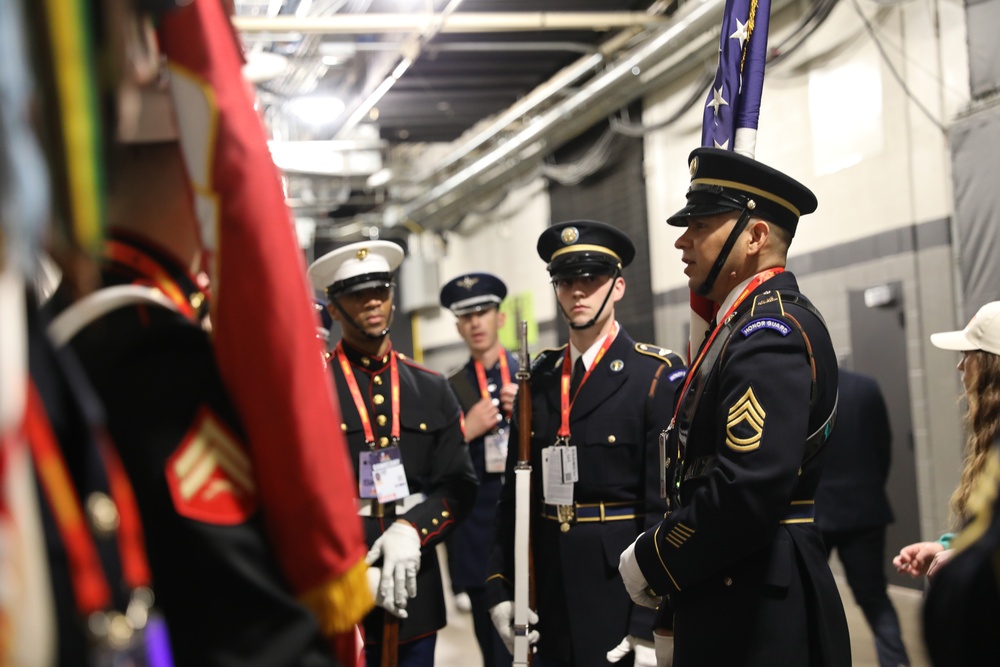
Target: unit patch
[760,324]
[745,423]
[210,475]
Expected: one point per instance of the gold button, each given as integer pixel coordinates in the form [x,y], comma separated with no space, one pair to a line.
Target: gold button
[423,427]
[365,361]
[611,439]
[434,521]
[381,419]
[102,512]
[564,527]
[445,514]
[386,358]
[377,380]
[728,581]
[196,300]
[378,399]
[383,441]
[423,530]
[343,427]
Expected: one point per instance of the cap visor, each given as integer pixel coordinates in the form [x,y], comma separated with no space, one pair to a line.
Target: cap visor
[698,210]
[952,340]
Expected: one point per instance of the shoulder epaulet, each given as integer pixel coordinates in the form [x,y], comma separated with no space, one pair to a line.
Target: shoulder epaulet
[657,352]
[412,364]
[543,357]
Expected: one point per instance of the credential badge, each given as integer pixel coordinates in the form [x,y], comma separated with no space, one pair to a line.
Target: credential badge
[570,235]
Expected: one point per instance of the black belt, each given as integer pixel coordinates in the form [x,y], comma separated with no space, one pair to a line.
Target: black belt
[595,512]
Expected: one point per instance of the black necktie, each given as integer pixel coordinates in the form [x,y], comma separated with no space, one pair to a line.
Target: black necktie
[579,370]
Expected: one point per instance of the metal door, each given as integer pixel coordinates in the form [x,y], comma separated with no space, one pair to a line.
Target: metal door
[878,344]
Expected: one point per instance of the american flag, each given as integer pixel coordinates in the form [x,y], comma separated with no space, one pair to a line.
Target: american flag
[733,106]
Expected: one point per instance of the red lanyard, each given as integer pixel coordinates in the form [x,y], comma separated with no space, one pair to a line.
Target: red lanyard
[359,402]
[90,587]
[484,389]
[754,284]
[565,404]
[154,274]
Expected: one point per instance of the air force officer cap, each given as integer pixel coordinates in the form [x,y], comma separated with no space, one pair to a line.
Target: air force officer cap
[473,292]
[356,267]
[724,181]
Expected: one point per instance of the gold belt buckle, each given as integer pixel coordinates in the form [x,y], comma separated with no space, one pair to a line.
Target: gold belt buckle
[566,516]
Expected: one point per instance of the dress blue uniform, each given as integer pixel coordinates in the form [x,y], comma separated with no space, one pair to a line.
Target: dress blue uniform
[469,546]
[426,433]
[615,421]
[739,556]
[182,445]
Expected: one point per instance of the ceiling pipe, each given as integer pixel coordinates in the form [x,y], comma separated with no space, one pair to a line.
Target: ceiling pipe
[670,53]
[382,23]
[538,98]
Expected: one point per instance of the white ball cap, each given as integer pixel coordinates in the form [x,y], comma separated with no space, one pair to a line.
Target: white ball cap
[982,332]
[354,261]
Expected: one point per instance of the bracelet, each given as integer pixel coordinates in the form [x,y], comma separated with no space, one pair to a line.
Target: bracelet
[945,540]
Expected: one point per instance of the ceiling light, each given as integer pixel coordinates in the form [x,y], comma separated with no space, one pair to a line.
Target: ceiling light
[315,109]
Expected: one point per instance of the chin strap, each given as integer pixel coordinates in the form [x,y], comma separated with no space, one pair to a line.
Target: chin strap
[741,224]
[593,320]
[379,336]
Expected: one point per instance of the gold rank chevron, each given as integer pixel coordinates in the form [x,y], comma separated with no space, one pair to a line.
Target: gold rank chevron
[747,409]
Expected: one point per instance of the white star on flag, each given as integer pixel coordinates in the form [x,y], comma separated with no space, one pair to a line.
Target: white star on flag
[741,32]
[717,100]
[724,145]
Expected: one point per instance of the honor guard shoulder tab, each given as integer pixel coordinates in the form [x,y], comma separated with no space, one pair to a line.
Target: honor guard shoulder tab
[661,353]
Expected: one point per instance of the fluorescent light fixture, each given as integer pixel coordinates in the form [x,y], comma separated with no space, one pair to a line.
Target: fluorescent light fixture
[315,109]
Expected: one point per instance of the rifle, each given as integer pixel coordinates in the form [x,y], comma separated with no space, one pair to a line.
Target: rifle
[524,592]
[390,640]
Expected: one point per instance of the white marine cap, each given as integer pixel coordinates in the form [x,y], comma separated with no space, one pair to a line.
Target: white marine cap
[356,266]
[981,333]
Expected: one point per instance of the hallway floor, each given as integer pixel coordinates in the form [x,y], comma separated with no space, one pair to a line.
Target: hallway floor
[457,646]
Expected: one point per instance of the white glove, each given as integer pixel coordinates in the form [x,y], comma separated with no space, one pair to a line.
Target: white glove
[635,581]
[502,615]
[664,650]
[645,654]
[399,549]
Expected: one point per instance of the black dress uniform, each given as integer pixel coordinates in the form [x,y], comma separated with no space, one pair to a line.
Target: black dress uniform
[852,508]
[436,462]
[614,422]
[180,439]
[743,563]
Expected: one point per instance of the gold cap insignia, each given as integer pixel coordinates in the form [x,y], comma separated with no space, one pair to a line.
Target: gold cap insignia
[467,282]
[693,167]
[745,423]
[570,235]
[362,253]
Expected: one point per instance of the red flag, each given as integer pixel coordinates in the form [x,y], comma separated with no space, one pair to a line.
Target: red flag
[264,326]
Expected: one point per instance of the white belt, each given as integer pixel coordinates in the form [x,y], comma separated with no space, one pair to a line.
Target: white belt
[401,506]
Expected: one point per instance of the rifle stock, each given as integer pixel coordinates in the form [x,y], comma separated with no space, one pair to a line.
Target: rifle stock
[524,591]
